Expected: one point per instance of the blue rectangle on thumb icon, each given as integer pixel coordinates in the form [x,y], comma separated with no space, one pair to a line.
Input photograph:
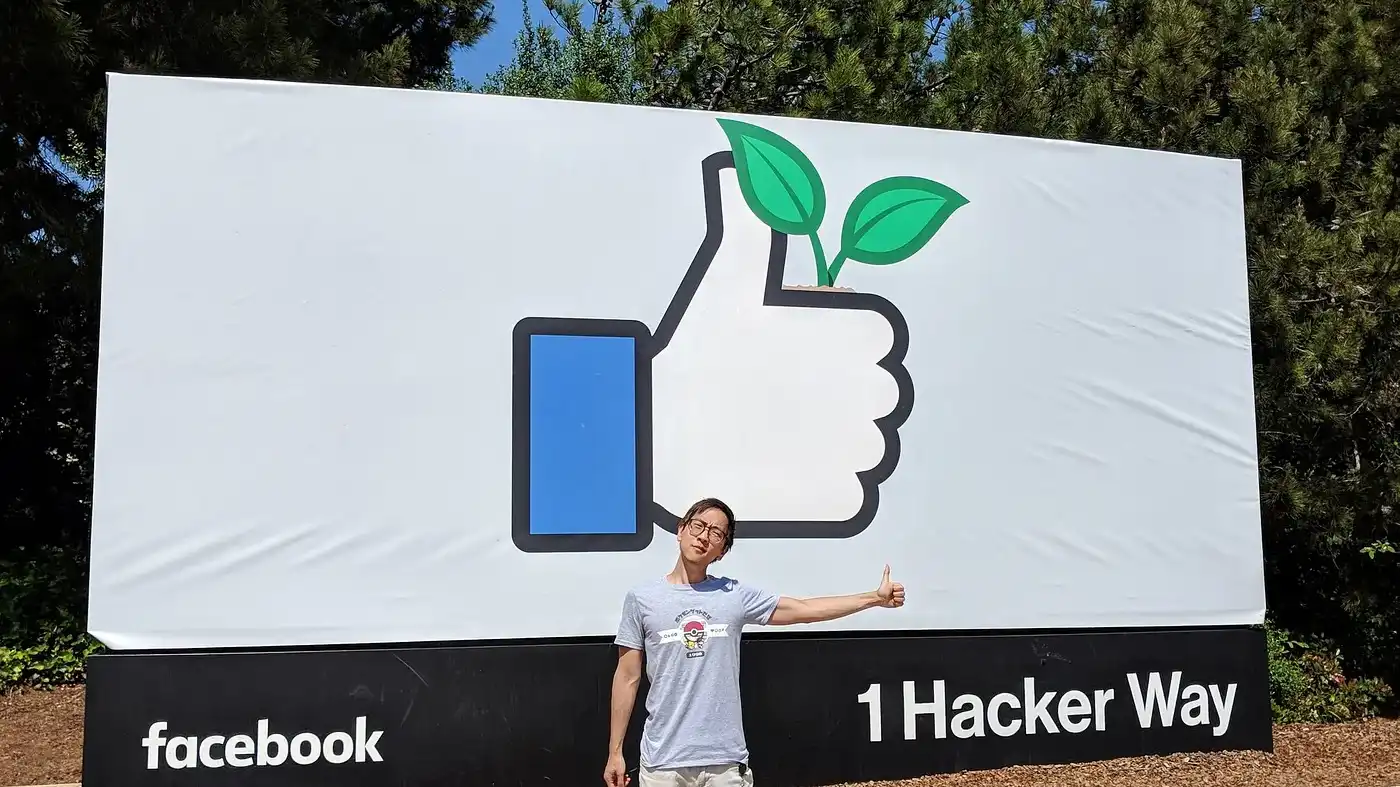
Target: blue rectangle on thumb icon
[582,435]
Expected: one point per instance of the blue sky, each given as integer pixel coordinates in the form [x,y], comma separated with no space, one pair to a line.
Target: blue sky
[495,48]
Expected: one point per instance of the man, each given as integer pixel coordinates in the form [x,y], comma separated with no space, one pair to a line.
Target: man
[687,624]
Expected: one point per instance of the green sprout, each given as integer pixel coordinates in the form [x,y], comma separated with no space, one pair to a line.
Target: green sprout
[888,222]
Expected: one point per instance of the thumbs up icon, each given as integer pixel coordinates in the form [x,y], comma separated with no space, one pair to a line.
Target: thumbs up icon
[784,401]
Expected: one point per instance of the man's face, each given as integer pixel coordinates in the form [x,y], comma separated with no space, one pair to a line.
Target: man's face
[702,538]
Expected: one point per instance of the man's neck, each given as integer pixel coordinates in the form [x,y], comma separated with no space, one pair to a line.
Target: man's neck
[687,573]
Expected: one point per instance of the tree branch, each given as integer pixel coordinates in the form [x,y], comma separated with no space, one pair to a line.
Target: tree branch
[738,69]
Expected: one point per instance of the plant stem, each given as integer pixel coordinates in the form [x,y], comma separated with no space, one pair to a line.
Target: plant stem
[836,264]
[823,277]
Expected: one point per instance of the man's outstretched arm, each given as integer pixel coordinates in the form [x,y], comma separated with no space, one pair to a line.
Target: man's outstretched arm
[815,610]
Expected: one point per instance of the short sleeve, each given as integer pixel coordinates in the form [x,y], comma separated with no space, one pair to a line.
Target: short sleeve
[759,604]
[630,631]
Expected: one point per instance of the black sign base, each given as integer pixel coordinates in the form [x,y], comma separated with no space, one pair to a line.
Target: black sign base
[818,710]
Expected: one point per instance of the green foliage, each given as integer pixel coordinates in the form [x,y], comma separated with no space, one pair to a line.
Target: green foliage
[43,641]
[855,59]
[56,660]
[849,59]
[590,63]
[1307,684]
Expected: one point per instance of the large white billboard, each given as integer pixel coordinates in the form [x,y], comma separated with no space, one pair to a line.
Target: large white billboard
[392,366]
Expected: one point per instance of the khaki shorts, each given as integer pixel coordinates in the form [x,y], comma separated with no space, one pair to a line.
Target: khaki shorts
[705,776]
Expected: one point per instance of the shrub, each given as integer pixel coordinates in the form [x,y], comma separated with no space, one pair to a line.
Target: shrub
[1307,683]
[60,661]
[43,637]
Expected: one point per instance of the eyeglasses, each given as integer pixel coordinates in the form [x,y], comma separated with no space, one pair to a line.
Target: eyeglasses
[697,526]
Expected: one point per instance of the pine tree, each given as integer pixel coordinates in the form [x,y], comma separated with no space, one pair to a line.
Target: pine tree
[848,59]
[591,62]
[858,59]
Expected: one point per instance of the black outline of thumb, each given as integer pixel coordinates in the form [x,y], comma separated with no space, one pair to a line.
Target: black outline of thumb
[775,295]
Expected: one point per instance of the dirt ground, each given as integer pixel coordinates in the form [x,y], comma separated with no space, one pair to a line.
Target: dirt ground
[41,742]
[41,737]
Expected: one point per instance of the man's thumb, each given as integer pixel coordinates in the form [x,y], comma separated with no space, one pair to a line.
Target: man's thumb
[886,577]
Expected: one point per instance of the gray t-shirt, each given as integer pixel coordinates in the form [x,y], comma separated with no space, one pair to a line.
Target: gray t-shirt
[690,635]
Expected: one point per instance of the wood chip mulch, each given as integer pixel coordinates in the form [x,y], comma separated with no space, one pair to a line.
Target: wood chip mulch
[41,737]
[41,742]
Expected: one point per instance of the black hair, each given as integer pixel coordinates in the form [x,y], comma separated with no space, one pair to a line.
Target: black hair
[701,506]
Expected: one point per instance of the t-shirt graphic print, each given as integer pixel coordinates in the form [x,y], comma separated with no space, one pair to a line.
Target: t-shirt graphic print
[695,627]
[690,635]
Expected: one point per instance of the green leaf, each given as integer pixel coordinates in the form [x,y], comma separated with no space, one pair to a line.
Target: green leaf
[893,218]
[779,182]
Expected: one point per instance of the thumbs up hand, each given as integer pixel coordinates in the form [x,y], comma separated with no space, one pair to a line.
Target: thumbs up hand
[786,399]
[891,594]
